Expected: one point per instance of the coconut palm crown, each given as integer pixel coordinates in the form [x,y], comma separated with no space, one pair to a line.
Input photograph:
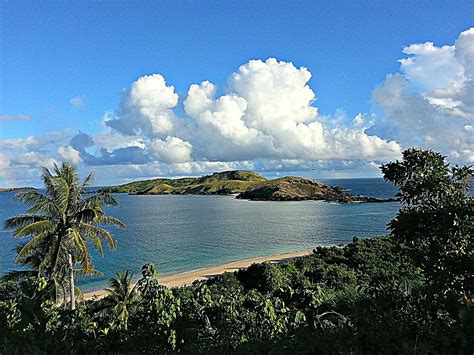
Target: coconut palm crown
[121,295]
[61,223]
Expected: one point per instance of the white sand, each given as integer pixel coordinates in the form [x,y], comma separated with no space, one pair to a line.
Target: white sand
[186,278]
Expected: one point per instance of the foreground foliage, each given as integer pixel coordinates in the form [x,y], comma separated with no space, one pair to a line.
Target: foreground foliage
[358,298]
[408,292]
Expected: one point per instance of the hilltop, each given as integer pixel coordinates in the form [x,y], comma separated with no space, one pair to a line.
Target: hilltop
[246,185]
[221,183]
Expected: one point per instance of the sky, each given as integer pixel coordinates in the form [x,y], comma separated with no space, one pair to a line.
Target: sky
[323,89]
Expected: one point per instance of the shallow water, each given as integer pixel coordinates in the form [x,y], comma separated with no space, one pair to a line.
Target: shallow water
[182,233]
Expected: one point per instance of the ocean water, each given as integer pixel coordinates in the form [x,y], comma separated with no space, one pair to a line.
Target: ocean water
[182,233]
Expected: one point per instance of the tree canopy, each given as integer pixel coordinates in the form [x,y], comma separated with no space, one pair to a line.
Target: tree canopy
[60,224]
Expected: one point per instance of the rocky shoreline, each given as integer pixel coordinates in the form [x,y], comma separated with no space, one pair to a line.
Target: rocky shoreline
[303,189]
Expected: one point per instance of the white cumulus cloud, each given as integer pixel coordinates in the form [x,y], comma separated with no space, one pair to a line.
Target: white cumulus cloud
[171,150]
[431,101]
[146,109]
[70,154]
[268,112]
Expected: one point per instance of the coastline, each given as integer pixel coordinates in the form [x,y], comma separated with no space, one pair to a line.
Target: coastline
[188,277]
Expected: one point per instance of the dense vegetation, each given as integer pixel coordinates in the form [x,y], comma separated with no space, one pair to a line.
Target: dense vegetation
[408,292]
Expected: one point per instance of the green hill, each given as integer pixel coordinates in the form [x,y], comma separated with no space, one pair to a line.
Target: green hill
[226,182]
[247,184]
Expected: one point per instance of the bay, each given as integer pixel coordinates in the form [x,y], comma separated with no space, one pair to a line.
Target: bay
[183,233]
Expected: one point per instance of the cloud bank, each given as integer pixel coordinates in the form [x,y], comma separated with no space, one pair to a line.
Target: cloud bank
[430,103]
[265,118]
[265,112]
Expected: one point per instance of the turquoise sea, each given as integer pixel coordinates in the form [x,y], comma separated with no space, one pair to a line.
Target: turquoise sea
[182,233]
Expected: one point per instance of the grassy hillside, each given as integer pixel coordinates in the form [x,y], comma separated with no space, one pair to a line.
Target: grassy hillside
[227,182]
[247,184]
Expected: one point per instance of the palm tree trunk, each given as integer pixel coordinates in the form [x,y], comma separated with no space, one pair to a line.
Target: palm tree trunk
[71,283]
[54,260]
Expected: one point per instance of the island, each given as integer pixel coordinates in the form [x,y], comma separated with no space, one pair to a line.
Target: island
[244,185]
[16,189]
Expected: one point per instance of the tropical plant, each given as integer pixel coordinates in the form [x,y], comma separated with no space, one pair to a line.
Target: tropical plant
[61,222]
[121,295]
[436,221]
[30,261]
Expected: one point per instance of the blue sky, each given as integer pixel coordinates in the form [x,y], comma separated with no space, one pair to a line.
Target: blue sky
[64,65]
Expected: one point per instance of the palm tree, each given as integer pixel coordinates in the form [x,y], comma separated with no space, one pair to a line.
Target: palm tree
[121,295]
[32,260]
[61,223]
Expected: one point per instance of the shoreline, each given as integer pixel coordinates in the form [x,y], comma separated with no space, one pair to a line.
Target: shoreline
[188,277]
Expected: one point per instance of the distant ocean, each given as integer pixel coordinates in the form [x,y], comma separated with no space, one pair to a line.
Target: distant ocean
[182,233]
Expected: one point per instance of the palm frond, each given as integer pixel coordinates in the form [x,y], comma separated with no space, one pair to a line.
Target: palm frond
[85,258]
[91,231]
[48,179]
[33,243]
[31,197]
[109,220]
[35,228]
[120,286]
[96,243]
[86,215]
[38,203]
[88,180]
[102,198]
[78,242]
[61,193]
[22,220]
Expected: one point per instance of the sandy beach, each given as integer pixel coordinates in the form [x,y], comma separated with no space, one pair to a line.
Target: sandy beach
[186,278]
